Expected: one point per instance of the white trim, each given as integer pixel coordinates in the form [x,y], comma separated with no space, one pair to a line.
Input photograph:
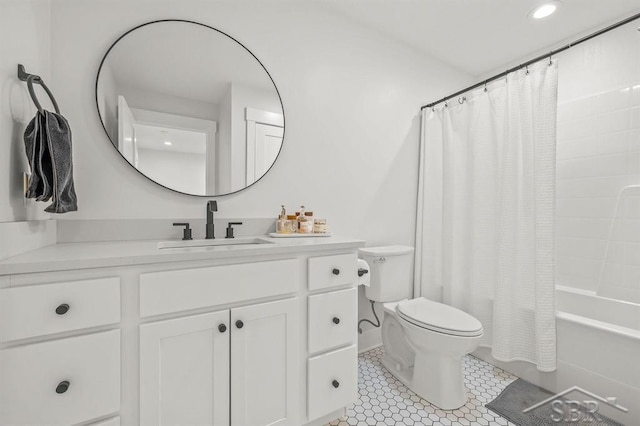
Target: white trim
[264,117]
[182,122]
[255,116]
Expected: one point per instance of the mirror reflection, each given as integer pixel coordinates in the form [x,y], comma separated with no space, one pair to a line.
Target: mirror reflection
[190,108]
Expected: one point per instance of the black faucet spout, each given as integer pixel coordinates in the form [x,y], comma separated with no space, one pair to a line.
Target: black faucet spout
[212,206]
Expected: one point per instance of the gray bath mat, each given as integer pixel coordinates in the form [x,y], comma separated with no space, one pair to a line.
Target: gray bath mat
[520,395]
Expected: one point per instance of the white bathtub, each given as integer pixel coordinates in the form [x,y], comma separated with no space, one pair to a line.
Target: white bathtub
[598,350]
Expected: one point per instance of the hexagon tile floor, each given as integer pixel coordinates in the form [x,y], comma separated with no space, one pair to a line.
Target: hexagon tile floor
[386,401]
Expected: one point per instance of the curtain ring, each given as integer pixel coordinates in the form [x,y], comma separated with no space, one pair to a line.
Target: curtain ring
[526,68]
[550,61]
[462,100]
[446,104]
[485,86]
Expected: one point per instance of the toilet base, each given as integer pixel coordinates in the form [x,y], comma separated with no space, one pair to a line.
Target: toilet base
[433,377]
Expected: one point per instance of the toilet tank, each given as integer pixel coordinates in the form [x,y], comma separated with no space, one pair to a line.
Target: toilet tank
[391,269]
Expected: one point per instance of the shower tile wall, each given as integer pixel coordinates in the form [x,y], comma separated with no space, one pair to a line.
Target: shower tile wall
[598,154]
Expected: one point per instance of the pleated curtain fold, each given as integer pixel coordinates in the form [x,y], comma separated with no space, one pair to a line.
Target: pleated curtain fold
[485,234]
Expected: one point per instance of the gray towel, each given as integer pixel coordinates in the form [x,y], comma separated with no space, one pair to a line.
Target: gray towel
[47,141]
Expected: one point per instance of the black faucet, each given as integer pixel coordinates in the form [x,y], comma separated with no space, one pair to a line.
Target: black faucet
[212,206]
[186,233]
[230,229]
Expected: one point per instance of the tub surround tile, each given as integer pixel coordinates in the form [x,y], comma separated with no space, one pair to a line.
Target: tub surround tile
[598,155]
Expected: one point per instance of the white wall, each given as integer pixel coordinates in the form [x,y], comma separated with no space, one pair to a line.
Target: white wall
[223,145]
[183,171]
[598,155]
[161,102]
[351,100]
[24,39]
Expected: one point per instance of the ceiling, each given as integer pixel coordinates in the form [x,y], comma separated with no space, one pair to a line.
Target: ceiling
[481,36]
[184,60]
[154,138]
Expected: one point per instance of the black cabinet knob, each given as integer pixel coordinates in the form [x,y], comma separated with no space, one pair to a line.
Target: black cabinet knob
[336,320]
[336,271]
[62,387]
[62,309]
[336,384]
[222,328]
[239,324]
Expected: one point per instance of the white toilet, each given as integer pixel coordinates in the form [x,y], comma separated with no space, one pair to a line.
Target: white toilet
[424,341]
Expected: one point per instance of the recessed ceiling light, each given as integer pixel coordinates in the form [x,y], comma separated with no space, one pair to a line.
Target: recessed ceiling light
[168,143]
[545,10]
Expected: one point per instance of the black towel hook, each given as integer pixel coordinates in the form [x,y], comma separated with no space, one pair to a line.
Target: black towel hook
[31,79]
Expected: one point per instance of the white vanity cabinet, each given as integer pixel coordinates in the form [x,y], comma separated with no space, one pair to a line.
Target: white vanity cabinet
[264,371]
[332,369]
[193,369]
[221,337]
[184,371]
[56,367]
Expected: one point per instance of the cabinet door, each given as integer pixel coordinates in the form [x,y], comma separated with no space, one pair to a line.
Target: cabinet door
[184,371]
[264,371]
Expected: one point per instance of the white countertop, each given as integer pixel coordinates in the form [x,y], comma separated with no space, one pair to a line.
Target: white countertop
[69,256]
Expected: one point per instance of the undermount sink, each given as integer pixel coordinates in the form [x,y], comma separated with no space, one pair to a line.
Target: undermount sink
[212,243]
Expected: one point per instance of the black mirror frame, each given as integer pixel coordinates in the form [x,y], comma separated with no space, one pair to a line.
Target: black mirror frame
[284,129]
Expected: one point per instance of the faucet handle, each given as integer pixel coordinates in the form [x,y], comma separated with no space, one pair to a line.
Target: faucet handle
[230,229]
[186,234]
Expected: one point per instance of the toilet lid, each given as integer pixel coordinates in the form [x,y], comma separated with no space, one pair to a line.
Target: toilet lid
[439,317]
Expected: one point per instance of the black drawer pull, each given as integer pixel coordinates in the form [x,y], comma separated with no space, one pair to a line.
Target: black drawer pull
[336,320]
[336,384]
[62,387]
[336,271]
[222,328]
[62,309]
[239,324]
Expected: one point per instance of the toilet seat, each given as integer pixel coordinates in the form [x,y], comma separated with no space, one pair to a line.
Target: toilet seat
[439,317]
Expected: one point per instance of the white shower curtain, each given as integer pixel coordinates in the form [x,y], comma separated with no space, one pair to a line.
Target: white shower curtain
[485,240]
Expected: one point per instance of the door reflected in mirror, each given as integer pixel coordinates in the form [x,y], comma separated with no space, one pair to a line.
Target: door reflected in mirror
[190,108]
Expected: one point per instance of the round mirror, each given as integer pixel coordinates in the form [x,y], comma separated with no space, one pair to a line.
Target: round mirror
[190,107]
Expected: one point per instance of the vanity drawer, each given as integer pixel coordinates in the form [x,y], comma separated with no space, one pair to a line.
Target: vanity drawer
[333,319]
[181,290]
[40,309]
[332,271]
[32,376]
[332,381]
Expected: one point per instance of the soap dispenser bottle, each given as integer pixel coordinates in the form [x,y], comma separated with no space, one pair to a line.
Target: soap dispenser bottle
[282,224]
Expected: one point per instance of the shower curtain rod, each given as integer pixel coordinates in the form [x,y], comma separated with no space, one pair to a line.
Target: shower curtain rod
[534,60]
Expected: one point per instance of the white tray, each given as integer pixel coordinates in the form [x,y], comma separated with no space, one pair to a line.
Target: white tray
[276,235]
